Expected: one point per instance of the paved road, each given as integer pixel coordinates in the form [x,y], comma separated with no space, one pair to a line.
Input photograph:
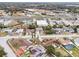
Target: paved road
[50,36]
[8,50]
[41,36]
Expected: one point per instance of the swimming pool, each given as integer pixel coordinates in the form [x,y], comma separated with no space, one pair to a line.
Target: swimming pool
[69,46]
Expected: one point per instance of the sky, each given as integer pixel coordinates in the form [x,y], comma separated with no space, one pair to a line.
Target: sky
[39,0]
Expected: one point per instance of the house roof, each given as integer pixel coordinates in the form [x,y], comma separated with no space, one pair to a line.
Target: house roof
[76,41]
[42,23]
[65,42]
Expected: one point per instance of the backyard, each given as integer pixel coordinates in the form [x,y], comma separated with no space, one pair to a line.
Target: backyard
[19,46]
[73,50]
[63,52]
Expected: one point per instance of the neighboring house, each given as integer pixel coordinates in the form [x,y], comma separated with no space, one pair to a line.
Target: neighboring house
[76,41]
[36,50]
[42,23]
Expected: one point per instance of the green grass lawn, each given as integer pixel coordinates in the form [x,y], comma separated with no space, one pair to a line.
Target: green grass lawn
[26,54]
[75,52]
[62,51]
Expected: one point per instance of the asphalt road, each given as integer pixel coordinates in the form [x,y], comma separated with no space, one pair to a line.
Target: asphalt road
[7,49]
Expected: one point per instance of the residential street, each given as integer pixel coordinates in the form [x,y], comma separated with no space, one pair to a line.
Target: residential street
[8,50]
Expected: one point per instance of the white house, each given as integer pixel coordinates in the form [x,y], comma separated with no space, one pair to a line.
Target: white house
[76,22]
[76,41]
[1,21]
[7,30]
[42,23]
[19,31]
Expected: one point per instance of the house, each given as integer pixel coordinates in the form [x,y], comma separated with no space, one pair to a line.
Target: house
[40,30]
[65,41]
[10,22]
[67,29]
[67,22]
[42,23]
[7,30]
[76,41]
[1,21]
[2,13]
[48,42]
[52,22]
[58,30]
[59,22]
[36,50]
[19,31]
[19,13]
[76,22]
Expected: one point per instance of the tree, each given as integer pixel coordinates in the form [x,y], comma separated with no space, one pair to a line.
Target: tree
[54,26]
[50,50]
[2,53]
[48,29]
[75,29]
[77,26]
[2,26]
[32,26]
[60,26]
